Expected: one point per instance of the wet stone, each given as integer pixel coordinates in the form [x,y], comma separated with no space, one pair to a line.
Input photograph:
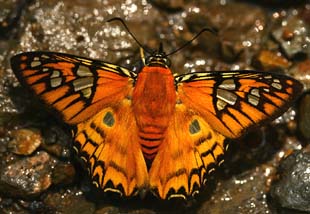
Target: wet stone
[20,206]
[169,5]
[68,202]
[228,18]
[292,36]
[243,193]
[269,60]
[11,206]
[304,116]
[305,13]
[63,173]
[108,209]
[301,72]
[25,141]
[292,190]
[57,142]
[27,176]
[9,15]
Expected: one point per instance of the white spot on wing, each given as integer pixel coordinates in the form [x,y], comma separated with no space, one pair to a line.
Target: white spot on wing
[86,92]
[55,82]
[253,100]
[276,85]
[266,90]
[83,71]
[220,104]
[226,96]
[255,92]
[228,84]
[55,74]
[83,83]
[35,63]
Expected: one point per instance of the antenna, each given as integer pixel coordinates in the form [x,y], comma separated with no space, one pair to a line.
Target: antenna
[211,30]
[131,34]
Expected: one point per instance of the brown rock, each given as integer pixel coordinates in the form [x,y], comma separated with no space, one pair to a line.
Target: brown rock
[25,141]
[27,176]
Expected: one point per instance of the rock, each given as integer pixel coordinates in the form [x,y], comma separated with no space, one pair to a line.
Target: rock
[9,16]
[305,13]
[268,60]
[243,193]
[301,72]
[25,141]
[292,36]
[292,190]
[304,116]
[108,210]
[63,173]
[69,201]
[27,176]
[57,142]
[169,5]
[228,18]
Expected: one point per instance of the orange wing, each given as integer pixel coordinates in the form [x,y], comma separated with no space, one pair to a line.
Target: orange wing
[190,151]
[211,106]
[77,88]
[232,102]
[108,144]
[94,97]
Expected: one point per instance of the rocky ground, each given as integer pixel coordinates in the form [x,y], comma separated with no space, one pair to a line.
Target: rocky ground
[267,171]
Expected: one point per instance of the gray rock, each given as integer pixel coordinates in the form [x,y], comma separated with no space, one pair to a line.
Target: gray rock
[292,190]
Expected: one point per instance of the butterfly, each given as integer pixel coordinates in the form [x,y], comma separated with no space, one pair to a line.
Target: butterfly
[152,130]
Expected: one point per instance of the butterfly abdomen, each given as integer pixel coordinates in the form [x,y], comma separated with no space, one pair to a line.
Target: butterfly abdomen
[154,100]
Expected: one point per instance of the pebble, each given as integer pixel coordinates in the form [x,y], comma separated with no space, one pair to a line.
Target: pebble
[292,36]
[304,116]
[63,173]
[69,201]
[269,60]
[301,72]
[27,176]
[25,141]
[292,190]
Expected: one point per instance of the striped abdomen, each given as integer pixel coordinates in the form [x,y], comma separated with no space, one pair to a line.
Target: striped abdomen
[154,100]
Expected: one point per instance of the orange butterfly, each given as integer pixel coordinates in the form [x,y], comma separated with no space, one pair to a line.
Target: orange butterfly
[151,130]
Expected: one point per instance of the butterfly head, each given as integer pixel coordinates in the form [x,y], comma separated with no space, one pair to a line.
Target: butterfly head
[158,58]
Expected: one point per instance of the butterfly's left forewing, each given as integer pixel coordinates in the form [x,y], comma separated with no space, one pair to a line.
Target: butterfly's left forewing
[76,87]
[234,101]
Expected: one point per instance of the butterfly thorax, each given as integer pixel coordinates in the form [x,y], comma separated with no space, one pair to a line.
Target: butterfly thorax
[154,100]
[158,59]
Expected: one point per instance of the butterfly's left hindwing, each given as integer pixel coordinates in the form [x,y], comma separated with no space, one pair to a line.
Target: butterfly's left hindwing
[108,144]
[76,87]
[234,101]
